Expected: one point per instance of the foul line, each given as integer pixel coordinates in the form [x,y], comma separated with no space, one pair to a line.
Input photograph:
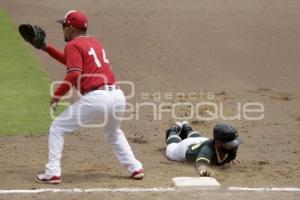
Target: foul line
[129,190]
[78,190]
[273,189]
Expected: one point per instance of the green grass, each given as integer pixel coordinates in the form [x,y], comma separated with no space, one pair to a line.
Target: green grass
[24,86]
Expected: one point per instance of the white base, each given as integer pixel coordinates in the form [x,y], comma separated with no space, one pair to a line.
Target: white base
[196,183]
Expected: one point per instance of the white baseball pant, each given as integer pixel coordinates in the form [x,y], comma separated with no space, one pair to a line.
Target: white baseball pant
[107,106]
[176,151]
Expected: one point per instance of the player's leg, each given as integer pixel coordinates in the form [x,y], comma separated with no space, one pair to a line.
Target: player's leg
[187,131]
[172,134]
[179,137]
[83,111]
[176,151]
[116,137]
[121,147]
[66,122]
[173,141]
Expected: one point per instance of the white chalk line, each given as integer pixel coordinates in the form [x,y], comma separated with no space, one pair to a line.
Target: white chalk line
[272,189]
[132,190]
[94,190]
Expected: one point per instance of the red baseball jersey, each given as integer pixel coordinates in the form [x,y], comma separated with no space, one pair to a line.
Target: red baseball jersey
[84,55]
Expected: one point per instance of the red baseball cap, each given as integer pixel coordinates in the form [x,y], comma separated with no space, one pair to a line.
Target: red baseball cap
[75,18]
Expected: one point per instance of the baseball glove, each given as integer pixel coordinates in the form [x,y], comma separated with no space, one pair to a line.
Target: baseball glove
[35,35]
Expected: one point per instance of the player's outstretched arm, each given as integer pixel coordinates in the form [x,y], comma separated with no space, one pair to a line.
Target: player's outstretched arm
[203,169]
[203,166]
[55,53]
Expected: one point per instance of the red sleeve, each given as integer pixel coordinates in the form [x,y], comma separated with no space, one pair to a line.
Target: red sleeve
[74,57]
[69,81]
[74,62]
[56,54]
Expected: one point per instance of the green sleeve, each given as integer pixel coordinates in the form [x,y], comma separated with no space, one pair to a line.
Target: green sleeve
[205,155]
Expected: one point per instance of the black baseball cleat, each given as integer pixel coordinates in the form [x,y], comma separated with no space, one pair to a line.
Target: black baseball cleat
[175,129]
[187,131]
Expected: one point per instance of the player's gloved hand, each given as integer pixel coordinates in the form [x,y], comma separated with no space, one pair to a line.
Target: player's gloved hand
[53,103]
[35,35]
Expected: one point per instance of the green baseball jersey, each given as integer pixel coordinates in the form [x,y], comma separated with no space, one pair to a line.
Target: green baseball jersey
[206,153]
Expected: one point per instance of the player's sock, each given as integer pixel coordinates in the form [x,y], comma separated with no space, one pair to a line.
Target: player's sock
[172,134]
[187,132]
[173,138]
[194,134]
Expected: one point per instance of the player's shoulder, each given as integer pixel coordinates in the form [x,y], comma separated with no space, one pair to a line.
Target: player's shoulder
[71,44]
[209,143]
[84,40]
[77,42]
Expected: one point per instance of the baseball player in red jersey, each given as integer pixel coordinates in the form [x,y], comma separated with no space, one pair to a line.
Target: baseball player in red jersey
[89,71]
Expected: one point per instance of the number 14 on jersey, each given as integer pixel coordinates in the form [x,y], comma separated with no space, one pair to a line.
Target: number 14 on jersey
[97,61]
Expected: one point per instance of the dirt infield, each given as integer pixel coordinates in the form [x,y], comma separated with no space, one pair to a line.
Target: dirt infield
[242,51]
